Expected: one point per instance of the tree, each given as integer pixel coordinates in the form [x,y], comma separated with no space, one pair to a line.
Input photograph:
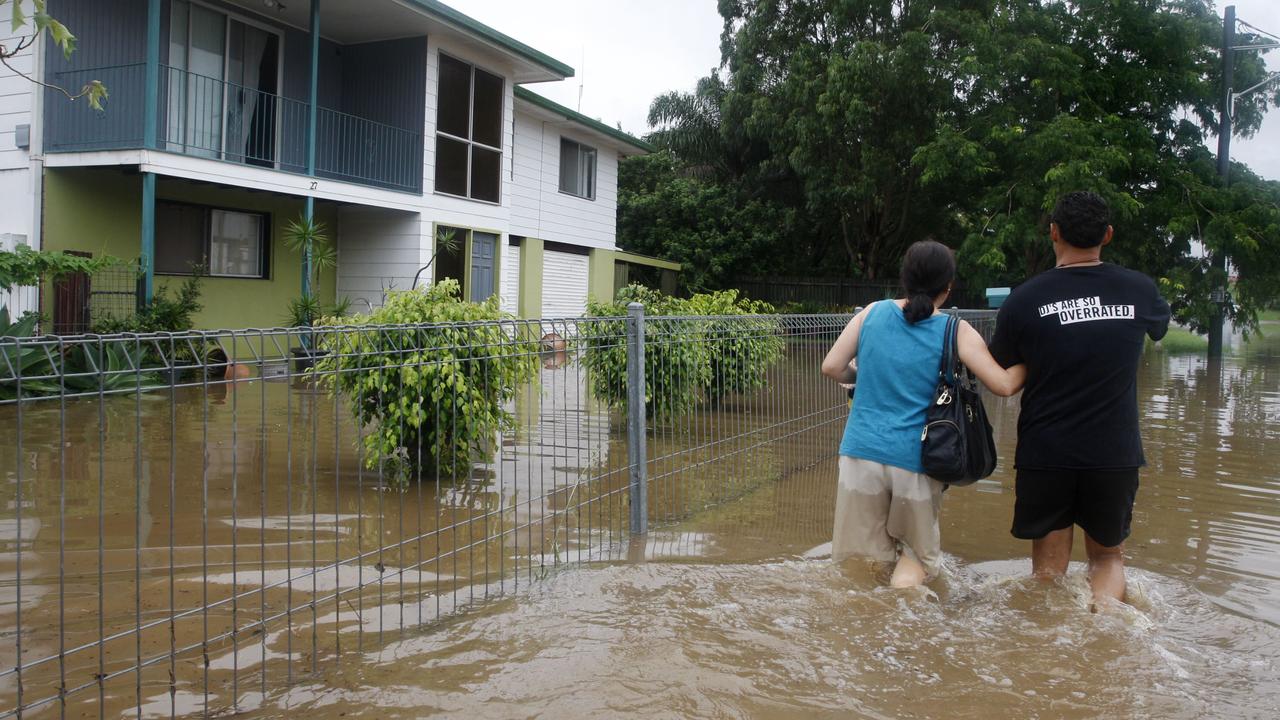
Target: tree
[870,124]
[714,230]
[41,22]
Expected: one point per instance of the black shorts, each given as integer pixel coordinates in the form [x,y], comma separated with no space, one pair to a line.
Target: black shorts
[1099,501]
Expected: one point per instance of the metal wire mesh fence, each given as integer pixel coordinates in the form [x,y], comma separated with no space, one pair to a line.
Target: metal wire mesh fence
[189,521]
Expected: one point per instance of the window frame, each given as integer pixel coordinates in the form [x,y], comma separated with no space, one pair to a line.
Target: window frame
[469,142]
[595,168]
[206,239]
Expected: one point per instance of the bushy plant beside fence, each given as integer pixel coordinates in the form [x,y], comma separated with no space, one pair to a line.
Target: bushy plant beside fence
[45,366]
[431,394]
[676,362]
[742,348]
[687,361]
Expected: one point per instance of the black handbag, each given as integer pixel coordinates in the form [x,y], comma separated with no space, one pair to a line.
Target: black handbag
[957,446]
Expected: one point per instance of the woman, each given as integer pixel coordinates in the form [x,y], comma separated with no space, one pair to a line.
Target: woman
[886,508]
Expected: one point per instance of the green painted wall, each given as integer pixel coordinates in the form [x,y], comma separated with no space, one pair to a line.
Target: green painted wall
[600,276]
[531,256]
[98,211]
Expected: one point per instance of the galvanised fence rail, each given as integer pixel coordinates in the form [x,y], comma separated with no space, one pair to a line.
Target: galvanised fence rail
[190,521]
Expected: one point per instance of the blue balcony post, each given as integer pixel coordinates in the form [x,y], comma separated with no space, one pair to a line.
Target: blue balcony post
[150,123]
[312,116]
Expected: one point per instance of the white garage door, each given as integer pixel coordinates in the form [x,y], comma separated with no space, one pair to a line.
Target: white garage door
[564,284]
[509,288]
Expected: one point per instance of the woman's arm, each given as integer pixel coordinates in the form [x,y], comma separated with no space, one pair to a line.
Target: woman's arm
[975,356]
[838,363]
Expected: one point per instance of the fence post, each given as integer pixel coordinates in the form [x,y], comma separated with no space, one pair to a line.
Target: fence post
[636,429]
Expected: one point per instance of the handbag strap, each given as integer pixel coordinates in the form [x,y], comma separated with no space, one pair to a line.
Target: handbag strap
[950,351]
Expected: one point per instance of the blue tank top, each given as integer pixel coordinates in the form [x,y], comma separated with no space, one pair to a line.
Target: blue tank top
[897,375]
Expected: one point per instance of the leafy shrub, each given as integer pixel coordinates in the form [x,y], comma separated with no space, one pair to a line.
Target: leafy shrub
[109,365]
[688,360]
[432,394]
[742,350]
[676,363]
[163,314]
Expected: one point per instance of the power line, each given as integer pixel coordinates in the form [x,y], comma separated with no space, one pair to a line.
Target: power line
[1257,29]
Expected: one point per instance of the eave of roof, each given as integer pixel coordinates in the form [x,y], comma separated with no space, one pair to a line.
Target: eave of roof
[575,116]
[479,29]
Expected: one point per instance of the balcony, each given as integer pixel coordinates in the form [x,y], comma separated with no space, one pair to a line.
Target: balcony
[211,118]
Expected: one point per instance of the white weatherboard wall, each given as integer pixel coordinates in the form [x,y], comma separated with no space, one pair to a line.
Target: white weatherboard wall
[539,209]
[17,179]
[509,283]
[378,250]
[564,284]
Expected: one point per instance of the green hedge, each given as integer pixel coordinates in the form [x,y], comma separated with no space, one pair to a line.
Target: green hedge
[693,354]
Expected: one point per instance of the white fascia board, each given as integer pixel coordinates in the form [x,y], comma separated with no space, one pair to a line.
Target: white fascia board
[242,176]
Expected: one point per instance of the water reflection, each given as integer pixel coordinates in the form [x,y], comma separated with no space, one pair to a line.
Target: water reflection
[733,610]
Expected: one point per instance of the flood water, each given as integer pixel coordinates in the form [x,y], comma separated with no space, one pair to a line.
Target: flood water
[731,607]
[737,613]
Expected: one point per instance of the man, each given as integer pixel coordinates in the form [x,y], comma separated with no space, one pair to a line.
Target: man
[1079,328]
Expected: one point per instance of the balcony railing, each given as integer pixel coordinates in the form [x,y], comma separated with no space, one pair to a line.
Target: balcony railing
[211,118]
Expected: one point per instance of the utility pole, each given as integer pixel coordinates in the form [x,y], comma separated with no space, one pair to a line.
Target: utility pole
[1219,295]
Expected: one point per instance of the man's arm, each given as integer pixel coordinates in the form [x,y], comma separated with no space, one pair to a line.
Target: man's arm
[1158,323]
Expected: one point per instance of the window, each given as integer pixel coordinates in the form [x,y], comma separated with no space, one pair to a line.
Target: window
[228,243]
[577,169]
[469,131]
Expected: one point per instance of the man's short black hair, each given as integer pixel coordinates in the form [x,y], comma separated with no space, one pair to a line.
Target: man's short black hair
[1082,218]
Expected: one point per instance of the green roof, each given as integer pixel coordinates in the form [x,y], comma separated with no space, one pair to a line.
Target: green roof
[470,24]
[555,107]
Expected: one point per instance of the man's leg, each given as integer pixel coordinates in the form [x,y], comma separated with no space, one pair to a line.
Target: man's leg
[1106,511]
[1051,554]
[1106,570]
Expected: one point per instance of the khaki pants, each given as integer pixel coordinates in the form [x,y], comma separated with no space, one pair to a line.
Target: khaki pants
[881,509]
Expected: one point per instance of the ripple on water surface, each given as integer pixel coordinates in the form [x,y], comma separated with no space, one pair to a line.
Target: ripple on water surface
[803,638]
[737,614]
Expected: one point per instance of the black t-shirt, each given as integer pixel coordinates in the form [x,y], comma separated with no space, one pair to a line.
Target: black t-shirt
[1080,331]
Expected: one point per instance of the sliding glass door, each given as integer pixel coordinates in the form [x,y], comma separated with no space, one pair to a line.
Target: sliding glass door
[253,73]
[223,84]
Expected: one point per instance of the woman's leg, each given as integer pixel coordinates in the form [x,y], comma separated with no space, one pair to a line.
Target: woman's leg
[913,522]
[862,504]
[908,572]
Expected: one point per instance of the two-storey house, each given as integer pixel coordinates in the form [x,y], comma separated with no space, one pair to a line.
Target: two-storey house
[391,121]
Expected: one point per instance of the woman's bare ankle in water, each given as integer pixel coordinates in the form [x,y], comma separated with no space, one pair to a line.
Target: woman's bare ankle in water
[907,573]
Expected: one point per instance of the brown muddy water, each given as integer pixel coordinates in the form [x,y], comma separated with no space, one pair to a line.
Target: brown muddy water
[736,611]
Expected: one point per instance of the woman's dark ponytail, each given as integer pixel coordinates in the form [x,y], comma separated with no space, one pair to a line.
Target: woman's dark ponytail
[927,271]
[919,306]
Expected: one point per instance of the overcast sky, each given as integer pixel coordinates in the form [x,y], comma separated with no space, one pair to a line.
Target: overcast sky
[628,51]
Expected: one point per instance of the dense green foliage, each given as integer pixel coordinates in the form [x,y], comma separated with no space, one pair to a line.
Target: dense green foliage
[742,348]
[23,266]
[693,353]
[676,361]
[836,133]
[431,394]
